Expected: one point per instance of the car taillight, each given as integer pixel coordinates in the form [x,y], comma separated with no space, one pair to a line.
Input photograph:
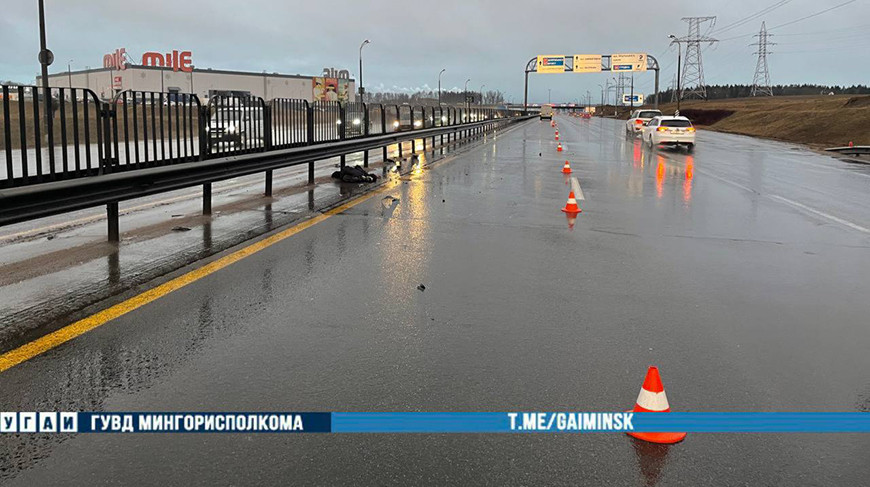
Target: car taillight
[690,129]
[662,129]
[639,122]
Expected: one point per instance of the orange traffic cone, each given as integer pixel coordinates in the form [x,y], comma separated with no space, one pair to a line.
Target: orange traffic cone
[559,147]
[557,136]
[652,399]
[850,144]
[552,123]
[571,206]
[566,168]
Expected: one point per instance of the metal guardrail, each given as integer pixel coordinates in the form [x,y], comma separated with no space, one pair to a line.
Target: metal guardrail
[851,151]
[144,143]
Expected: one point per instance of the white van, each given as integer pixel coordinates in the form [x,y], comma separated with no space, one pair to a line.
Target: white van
[546,112]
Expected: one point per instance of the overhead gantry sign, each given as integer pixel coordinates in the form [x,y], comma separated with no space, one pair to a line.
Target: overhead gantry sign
[590,63]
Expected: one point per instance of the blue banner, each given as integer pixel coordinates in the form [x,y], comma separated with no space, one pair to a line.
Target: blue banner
[431,422]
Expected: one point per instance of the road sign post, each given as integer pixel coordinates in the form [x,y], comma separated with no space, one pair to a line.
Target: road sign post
[591,63]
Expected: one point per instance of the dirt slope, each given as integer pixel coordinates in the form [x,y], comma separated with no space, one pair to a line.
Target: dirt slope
[819,121]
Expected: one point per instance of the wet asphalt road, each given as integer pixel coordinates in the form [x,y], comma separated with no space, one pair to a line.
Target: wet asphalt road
[740,270]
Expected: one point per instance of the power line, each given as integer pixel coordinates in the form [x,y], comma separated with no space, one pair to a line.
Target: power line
[814,15]
[756,15]
[825,32]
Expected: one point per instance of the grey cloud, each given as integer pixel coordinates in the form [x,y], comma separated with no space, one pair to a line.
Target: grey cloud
[489,41]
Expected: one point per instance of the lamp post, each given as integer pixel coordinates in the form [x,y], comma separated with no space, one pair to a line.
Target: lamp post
[439,85]
[69,72]
[602,94]
[481,93]
[46,57]
[361,89]
[676,41]
[548,96]
[615,97]
[465,91]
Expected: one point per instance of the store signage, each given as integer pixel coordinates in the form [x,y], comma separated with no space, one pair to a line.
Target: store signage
[115,60]
[177,60]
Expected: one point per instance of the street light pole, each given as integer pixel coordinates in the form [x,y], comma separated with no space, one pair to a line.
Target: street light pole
[69,72]
[615,97]
[679,74]
[45,59]
[362,90]
[481,93]
[439,85]
[549,102]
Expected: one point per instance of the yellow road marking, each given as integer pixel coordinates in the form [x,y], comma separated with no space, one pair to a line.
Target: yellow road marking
[41,345]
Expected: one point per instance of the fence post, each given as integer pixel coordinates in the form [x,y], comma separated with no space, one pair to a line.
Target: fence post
[413,141]
[267,141]
[365,133]
[206,199]
[113,223]
[202,129]
[441,124]
[342,126]
[106,112]
[384,130]
[309,116]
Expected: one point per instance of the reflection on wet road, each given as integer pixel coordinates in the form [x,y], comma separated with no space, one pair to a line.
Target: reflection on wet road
[740,270]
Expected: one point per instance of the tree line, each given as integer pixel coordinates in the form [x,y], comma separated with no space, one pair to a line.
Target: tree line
[718,92]
[431,97]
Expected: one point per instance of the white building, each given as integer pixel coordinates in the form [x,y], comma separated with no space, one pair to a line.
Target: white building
[108,81]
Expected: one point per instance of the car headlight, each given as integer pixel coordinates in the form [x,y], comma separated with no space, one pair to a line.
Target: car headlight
[231,129]
[356,121]
[395,124]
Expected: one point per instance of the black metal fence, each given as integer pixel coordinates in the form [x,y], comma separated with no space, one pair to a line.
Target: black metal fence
[142,129]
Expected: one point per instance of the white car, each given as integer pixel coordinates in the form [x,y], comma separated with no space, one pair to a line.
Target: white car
[672,131]
[634,125]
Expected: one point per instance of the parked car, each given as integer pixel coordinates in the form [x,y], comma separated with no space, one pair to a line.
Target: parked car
[671,131]
[634,124]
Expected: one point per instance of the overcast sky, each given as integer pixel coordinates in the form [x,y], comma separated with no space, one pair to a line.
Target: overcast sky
[489,41]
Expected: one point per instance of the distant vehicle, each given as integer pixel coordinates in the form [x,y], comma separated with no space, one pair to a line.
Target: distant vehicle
[241,127]
[546,112]
[634,124]
[672,131]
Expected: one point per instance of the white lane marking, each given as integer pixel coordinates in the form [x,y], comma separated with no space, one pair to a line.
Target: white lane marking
[795,204]
[726,181]
[822,214]
[578,191]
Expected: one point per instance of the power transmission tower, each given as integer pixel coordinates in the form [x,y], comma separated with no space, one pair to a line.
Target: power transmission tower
[761,80]
[692,79]
[673,89]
